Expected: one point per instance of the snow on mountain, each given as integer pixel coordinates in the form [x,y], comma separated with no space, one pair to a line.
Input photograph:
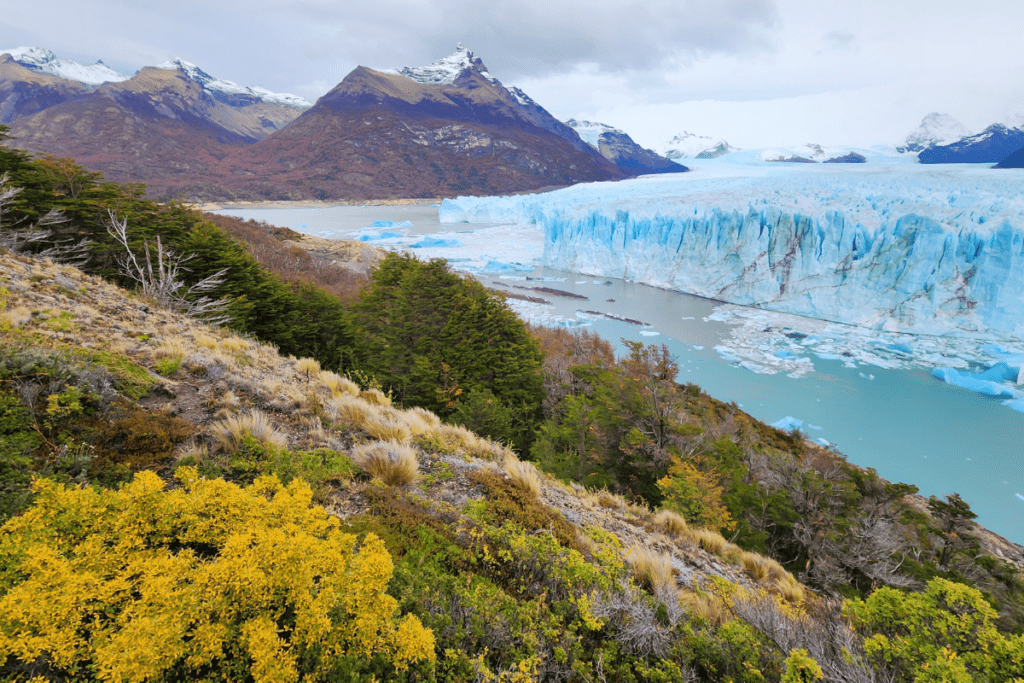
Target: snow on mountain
[810,152]
[918,250]
[935,129]
[42,60]
[446,70]
[691,146]
[590,131]
[210,83]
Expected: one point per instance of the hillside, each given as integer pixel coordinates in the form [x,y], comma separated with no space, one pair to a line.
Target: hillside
[184,501]
[512,570]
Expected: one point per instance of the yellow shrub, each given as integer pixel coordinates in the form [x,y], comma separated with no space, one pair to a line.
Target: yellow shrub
[207,581]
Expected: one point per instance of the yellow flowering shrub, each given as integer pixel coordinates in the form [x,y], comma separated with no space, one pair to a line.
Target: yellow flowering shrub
[207,581]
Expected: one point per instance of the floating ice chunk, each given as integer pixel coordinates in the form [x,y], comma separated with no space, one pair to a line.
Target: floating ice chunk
[788,424]
[824,443]
[871,377]
[390,224]
[973,383]
[698,348]
[1019,496]
[785,354]
[828,356]
[689,317]
[379,236]
[1016,404]
[810,426]
[649,333]
[502,267]
[435,243]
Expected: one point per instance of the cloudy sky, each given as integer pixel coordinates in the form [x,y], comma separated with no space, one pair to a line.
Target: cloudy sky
[756,72]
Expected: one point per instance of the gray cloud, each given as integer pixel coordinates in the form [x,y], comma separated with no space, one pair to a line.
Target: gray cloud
[840,40]
[534,37]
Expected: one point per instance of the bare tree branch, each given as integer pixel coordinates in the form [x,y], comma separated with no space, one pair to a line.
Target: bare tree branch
[165,284]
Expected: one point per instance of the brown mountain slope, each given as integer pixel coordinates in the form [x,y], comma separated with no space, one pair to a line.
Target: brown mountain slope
[159,127]
[376,135]
[384,135]
[24,92]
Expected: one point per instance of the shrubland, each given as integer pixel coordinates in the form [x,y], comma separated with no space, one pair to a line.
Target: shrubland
[187,502]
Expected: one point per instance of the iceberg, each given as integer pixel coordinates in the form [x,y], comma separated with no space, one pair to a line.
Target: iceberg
[934,250]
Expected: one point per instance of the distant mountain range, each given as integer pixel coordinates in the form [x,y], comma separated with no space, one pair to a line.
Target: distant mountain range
[442,129]
[941,139]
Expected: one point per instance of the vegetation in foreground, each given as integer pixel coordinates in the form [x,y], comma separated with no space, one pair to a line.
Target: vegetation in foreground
[169,459]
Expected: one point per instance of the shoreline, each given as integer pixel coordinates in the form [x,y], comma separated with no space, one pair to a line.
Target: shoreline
[314,203]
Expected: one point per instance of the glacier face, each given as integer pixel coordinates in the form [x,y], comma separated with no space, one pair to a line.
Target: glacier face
[926,250]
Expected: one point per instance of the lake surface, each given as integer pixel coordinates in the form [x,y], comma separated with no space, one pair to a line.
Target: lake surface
[857,389]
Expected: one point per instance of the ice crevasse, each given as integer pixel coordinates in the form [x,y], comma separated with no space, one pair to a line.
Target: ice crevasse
[926,250]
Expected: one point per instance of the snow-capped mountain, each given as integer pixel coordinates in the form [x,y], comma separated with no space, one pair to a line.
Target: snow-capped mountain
[42,60]
[992,145]
[616,146]
[935,129]
[590,131]
[812,152]
[446,70]
[217,86]
[691,146]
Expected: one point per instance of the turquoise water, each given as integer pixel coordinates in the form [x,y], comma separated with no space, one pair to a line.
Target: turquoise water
[904,423]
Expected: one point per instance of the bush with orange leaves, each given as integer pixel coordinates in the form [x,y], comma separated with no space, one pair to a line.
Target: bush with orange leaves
[206,581]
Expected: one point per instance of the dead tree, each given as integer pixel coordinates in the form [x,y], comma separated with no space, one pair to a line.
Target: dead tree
[164,283]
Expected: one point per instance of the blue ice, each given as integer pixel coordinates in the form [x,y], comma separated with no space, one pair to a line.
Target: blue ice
[391,224]
[379,236]
[984,383]
[788,424]
[435,242]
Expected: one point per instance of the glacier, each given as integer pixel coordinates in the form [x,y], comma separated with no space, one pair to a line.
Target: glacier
[932,250]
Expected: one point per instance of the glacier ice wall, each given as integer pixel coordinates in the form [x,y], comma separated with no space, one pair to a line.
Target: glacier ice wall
[928,250]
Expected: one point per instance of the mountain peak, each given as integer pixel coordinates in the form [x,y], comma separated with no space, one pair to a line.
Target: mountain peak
[690,145]
[935,129]
[446,70]
[41,60]
[218,85]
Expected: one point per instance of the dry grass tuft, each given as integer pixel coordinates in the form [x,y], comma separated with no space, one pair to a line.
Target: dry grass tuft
[229,432]
[428,417]
[706,606]
[17,316]
[523,475]
[228,400]
[709,540]
[307,366]
[375,397]
[756,566]
[607,499]
[790,590]
[393,463]
[350,410]
[673,523]
[174,346]
[385,424]
[336,384]
[652,570]
[458,438]
[234,344]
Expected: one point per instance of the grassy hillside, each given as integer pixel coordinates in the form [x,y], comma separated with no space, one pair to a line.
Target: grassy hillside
[187,502]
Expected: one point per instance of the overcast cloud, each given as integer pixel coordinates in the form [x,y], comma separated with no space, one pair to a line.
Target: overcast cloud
[757,72]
